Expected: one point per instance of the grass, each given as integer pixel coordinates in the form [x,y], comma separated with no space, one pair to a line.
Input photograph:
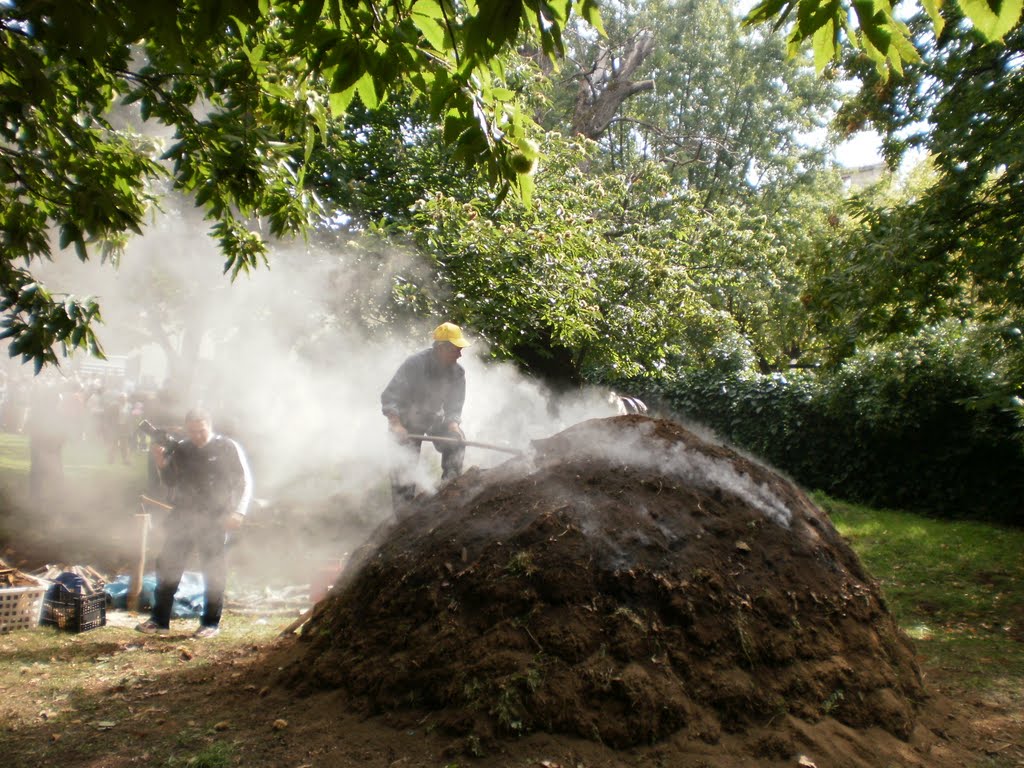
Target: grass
[104,689]
[85,464]
[953,586]
[92,488]
[13,456]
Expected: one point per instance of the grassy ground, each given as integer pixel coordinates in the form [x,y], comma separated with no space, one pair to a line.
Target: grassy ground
[71,699]
[954,587]
[85,467]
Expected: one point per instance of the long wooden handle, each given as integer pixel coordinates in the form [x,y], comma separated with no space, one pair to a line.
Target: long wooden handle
[146,500]
[140,565]
[471,443]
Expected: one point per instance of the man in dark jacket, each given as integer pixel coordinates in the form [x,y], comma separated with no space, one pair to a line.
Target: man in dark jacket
[210,489]
[425,397]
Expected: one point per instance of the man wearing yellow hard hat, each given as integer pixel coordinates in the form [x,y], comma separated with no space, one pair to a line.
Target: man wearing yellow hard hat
[425,397]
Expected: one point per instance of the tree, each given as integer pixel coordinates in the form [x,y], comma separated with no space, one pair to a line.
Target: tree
[683,83]
[609,275]
[248,89]
[731,111]
[950,246]
[373,166]
[242,84]
[606,85]
[582,285]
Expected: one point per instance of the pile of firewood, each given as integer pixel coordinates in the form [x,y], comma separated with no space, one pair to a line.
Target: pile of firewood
[92,580]
[12,577]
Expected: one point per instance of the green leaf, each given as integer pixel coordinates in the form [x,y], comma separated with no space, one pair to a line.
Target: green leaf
[524,181]
[278,91]
[905,47]
[69,233]
[933,7]
[349,69]
[993,18]
[429,20]
[494,26]
[367,90]
[812,15]
[875,28]
[769,9]
[340,100]
[824,42]
[310,144]
[321,121]
[589,12]
[310,11]
[556,10]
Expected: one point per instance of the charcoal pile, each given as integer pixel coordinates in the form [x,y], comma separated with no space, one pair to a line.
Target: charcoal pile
[626,583]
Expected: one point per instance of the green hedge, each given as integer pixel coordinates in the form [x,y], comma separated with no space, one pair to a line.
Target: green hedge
[900,427]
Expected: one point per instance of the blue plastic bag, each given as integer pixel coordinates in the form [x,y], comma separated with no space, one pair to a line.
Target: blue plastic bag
[188,600]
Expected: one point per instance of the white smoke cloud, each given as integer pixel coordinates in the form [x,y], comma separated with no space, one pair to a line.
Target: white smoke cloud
[636,448]
[282,372]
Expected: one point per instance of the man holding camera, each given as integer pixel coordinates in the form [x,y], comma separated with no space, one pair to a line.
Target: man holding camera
[210,489]
[425,396]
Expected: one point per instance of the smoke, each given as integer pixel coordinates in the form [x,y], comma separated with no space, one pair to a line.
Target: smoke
[287,366]
[636,448]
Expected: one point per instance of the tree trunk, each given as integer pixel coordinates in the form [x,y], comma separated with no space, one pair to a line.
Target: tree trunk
[608,84]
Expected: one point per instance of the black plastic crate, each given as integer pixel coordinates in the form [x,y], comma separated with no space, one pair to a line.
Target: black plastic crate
[73,612]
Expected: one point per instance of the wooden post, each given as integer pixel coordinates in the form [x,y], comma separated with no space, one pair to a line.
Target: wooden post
[140,568]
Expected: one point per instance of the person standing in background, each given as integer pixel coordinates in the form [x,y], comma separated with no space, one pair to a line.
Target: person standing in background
[210,490]
[425,397]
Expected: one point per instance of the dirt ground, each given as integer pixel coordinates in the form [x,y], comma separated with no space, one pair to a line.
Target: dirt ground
[658,602]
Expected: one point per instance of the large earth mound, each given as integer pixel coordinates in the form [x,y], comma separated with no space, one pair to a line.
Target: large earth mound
[626,582]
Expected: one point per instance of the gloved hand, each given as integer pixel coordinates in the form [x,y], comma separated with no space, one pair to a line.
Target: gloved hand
[398,431]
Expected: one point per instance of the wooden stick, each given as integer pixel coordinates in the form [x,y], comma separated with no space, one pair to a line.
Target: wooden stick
[140,568]
[297,623]
[146,500]
[470,443]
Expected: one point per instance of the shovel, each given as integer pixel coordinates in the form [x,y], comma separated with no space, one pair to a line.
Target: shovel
[468,443]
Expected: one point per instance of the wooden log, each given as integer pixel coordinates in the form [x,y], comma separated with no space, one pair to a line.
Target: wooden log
[297,623]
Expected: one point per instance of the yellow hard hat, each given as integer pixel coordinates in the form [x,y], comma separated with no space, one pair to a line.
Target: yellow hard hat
[451,333]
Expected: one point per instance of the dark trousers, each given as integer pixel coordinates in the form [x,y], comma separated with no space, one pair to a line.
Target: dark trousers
[403,482]
[183,535]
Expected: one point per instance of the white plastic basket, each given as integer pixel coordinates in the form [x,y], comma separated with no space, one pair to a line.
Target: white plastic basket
[20,607]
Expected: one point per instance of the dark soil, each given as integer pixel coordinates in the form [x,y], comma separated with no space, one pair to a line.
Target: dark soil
[629,584]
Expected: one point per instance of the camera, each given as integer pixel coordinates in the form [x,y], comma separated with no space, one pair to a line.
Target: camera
[159,436]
